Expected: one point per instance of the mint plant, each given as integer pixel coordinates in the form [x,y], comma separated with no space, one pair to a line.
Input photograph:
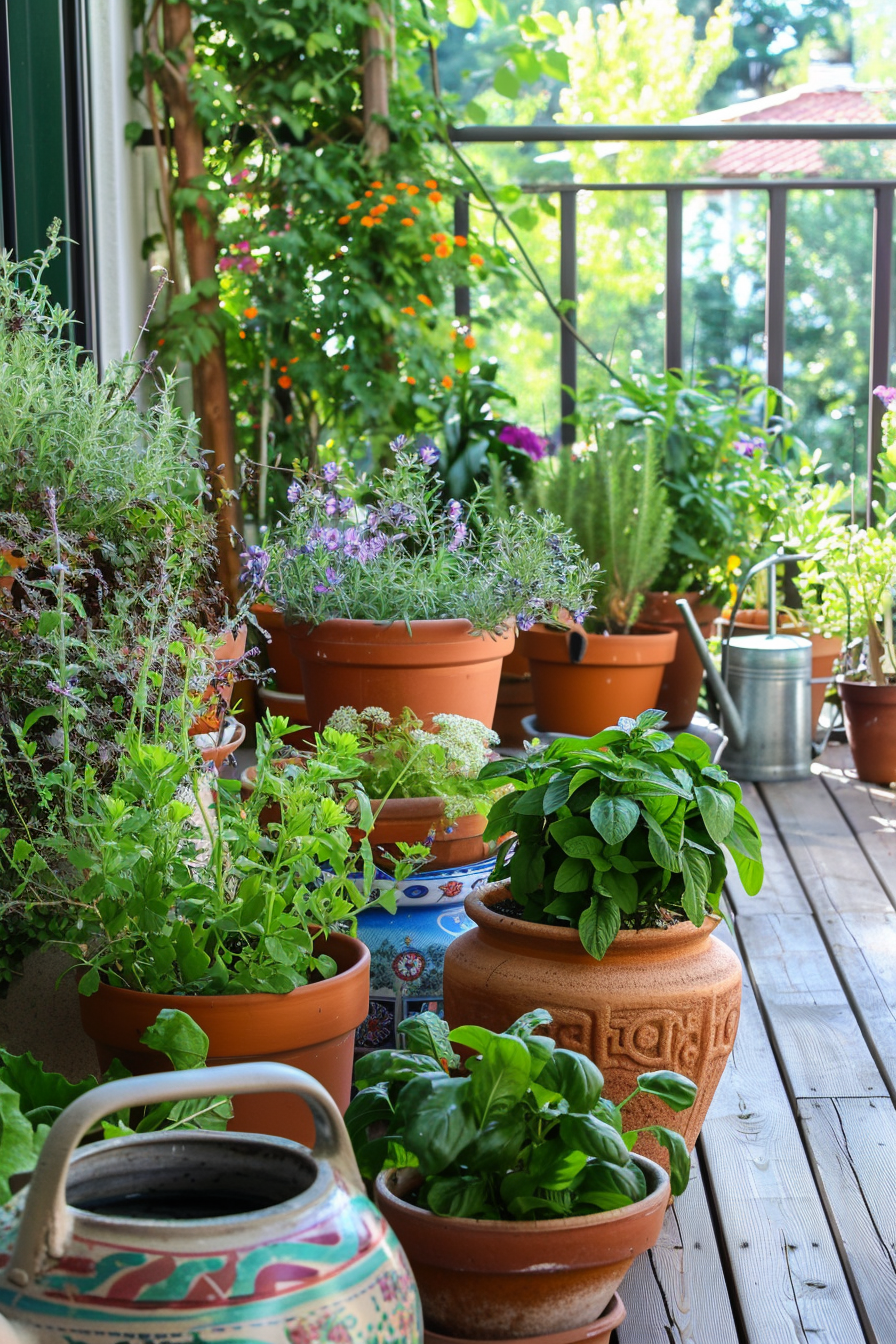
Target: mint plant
[625,830]
[525,1133]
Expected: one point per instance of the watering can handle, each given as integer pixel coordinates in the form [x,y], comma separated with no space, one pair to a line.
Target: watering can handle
[46,1219]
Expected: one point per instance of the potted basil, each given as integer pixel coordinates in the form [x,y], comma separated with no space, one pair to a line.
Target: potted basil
[510,1183]
[604,908]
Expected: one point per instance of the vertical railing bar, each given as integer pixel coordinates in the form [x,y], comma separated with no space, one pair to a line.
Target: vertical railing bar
[462,226]
[881,298]
[775,286]
[674,263]
[569,349]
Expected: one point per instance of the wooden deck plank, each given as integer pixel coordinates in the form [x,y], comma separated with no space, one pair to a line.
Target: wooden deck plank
[869,810]
[786,1271]
[853,1147]
[781,892]
[815,1031]
[676,1293]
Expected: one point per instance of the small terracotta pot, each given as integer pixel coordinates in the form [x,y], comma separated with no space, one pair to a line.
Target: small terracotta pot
[619,676]
[312,1028]
[14,562]
[659,999]
[481,1278]
[598,1332]
[870,714]
[683,677]
[515,703]
[825,649]
[441,667]
[280,654]
[516,664]
[218,755]
[455,844]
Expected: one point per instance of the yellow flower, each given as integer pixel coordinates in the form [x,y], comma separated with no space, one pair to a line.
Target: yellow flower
[732,593]
[733,563]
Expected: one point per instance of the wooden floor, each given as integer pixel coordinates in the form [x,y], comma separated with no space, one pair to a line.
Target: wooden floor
[787,1232]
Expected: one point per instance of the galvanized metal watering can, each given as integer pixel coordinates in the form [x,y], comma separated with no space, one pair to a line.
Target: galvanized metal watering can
[764,692]
[192,1236]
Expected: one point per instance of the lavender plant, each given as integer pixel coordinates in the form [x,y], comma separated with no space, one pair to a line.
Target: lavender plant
[389,549]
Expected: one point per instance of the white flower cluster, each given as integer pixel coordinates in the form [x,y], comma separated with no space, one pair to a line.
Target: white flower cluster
[345,719]
[466,743]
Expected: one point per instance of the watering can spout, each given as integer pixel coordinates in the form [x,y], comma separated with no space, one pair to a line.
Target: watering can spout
[734,726]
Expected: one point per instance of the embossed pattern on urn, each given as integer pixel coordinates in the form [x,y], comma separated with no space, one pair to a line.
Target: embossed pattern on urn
[659,999]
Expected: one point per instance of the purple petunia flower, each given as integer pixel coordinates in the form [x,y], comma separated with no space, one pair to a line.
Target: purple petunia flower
[294,491]
[455,509]
[745,447]
[255,565]
[887,395]
[530,443]
[331,471]
[331,538]
[460,536]
[429,453]
[331,504]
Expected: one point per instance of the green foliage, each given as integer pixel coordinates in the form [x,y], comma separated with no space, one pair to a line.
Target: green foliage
[613,497]
[388,549]
[524,1133]
[31,1099]
[624,830]
[401,760]
[847,590]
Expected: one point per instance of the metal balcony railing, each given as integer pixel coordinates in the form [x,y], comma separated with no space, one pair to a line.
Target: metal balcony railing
[776,238]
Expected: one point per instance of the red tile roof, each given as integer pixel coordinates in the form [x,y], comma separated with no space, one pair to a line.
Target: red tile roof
[752,158]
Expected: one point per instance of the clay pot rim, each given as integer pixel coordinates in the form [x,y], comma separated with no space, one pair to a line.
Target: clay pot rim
[345,629]
[358,967]
[524,1231]
[864,689]
[628,942]
[542,644]
[610,1319]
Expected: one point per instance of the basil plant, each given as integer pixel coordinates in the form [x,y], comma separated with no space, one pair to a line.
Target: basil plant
[525,1132]
[626,829]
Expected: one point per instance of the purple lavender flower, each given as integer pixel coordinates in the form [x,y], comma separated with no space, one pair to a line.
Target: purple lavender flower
[333,581]
[294,491]
[579,616]
[746,447]
[429,453]
[525,620]
[331,471]
[345,506]
[887,395]
[530,443]
[460,536]
[331,538]
[331,504]
[455,509]
[255,565]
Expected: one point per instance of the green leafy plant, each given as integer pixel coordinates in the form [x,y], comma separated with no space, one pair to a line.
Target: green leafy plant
[31,1098]
[624,830]
[170,889]
[611,494]
[399,759]
[847,589]
[524,1133]
[389,549]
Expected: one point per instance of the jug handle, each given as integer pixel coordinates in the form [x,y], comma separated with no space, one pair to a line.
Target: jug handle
[46,1219]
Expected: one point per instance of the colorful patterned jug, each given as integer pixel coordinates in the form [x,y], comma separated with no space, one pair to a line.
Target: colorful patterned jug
[200,1237]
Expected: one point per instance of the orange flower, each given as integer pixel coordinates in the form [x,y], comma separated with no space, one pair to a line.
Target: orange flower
[470,342]
[430,182]
[423,299]
[250,312]
[476,260]
[443,250]
[415,209]
[412,381]
[427,256]
[376,184]
[447,382]
[408,223]
[453,333]
[391,200]
[435,197]
[355,205]
[459,240]
[316,336]
[294,360]
[438,237]
[411,312]
[368,193]
[344,219]
[282,368]
[412,190]
[161,341]
[242,335]
[289,419]
[345,368]
[284,380]
[273,363]
[400,186]
[378,209]
[368,221]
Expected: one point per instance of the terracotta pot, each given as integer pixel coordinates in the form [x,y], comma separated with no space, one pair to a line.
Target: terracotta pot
[441,667]
[515,703]
[292,707]
[599,1332]
[683,677]
[312,1028]
[825,649]
[480,1278]
[454,845]
[218,755]
[870,714]
[659,999]
[620,675]
[280,654]
[516,664]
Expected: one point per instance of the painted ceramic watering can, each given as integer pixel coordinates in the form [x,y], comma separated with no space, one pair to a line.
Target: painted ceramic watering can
[194,1236]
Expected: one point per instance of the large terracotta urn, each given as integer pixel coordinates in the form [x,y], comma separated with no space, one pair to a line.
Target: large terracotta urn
[659,999]
[683,677]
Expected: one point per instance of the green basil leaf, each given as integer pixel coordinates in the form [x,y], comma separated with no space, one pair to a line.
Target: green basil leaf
[436,1122]
[427,1034]
[588,1134]
[677,1091]
[695,870]
[457,1197]
[607,1186]
[717,811]
[553,1166]
[599,925]
[679,1157]
[614,818]
[499,1077]
[394,1066]
[575,1077]
[574,875]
